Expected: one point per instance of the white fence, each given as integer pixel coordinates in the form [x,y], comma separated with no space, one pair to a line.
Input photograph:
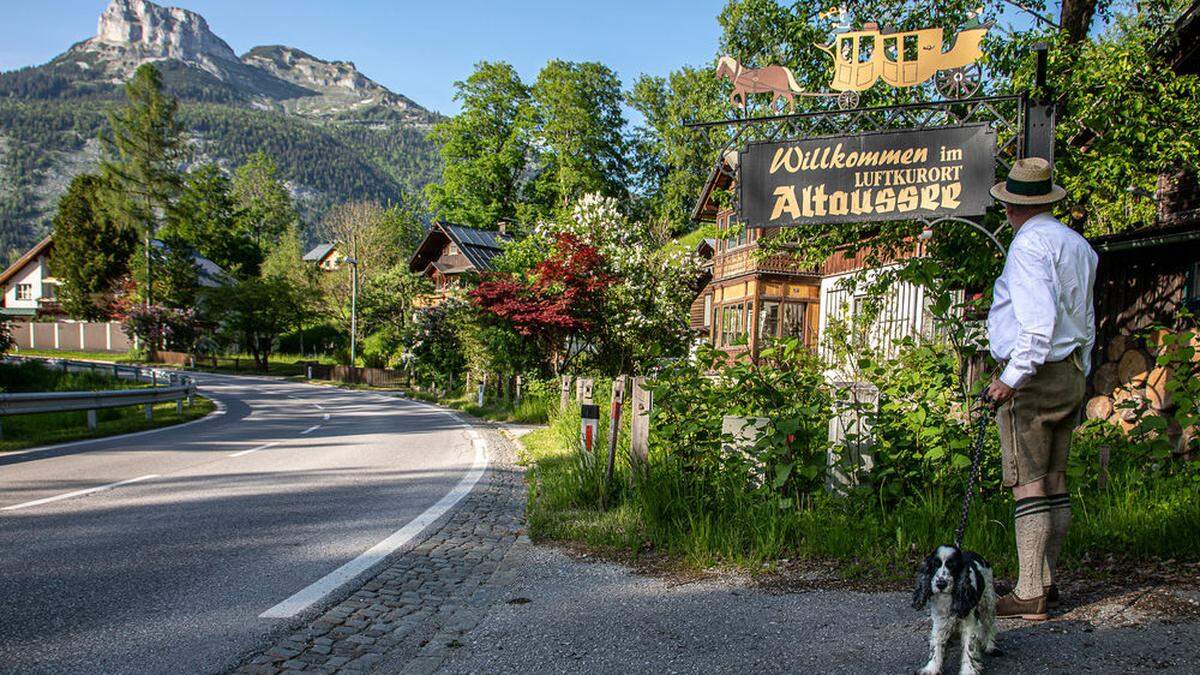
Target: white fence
[76,336]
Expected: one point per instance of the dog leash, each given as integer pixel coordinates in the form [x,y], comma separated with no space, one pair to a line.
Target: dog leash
[981,422]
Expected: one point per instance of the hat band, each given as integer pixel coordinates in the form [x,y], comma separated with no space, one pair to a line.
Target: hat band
[1028,188]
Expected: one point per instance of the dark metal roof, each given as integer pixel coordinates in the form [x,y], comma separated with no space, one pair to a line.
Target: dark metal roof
[479,247]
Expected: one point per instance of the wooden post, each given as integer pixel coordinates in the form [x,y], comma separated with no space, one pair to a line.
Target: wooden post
[585,390]
[91,419]
[639,423]
[614,428]
[564,393]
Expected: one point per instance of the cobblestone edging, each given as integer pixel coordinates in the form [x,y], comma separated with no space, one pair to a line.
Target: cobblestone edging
[409,616]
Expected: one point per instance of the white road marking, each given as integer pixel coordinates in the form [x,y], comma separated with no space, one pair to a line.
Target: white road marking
[313,593]
[261,447]
[319,406]
[310,429]
[326,417]
[78,493]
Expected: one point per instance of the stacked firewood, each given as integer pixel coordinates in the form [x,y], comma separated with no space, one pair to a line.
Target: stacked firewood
[1128,383]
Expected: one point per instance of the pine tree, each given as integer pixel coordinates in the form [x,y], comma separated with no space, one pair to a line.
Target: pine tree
[91,250]
[207,218]
[142,158]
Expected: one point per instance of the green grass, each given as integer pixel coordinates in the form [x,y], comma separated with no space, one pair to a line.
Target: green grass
[112,357]
[1137,517]
[531,410]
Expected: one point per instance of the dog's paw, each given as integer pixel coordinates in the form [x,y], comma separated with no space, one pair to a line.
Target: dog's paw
[993,650]
[927,671]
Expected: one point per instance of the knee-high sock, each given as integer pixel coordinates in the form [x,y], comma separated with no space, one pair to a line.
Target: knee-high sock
[1033,531]
[1060,521]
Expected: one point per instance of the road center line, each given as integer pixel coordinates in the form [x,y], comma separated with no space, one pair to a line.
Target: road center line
[310,429]
[261,447]
[313,593]
[77,493]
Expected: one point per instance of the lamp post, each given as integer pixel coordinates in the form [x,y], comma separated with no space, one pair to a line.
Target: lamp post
[353,311]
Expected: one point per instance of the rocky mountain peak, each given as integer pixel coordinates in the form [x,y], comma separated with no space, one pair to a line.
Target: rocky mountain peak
[160,32]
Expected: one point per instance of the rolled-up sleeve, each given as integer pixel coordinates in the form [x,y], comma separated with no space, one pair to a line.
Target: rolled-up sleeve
[1034,301]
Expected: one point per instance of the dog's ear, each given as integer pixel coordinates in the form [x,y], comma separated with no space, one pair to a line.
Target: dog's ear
[968,589]
[922,590]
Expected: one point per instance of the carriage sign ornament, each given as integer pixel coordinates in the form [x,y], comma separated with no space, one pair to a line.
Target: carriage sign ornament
[863,57]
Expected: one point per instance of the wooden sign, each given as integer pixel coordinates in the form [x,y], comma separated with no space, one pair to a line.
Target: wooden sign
[892,175]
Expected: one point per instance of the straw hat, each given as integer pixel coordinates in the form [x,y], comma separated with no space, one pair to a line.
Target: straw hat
[1029,182]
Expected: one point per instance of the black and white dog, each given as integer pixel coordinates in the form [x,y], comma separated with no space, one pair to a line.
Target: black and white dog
[959,583]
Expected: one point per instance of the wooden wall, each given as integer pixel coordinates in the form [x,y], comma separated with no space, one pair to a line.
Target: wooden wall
[1140,288]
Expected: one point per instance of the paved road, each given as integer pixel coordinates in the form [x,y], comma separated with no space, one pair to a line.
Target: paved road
[171,573]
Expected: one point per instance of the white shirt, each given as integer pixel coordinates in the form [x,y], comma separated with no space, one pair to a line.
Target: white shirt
[1042,303]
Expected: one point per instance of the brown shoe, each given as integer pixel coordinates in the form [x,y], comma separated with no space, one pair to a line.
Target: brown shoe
[1033,609]
[1051,593]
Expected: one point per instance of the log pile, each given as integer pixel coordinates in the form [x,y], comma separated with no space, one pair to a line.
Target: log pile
[1128,380]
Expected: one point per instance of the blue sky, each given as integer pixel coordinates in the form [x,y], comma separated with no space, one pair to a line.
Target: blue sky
[415,48]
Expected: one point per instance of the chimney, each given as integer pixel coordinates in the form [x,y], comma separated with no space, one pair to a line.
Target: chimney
[502,226]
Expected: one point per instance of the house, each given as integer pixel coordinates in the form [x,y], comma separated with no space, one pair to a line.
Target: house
[750,298]
[30,289]
[325,256]
[449,252]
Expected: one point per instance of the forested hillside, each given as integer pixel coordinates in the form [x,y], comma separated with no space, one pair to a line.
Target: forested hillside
[44,142]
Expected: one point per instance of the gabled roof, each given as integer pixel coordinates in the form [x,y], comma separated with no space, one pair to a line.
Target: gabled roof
[720,179]
[478,246]
[319,252]
[29,256]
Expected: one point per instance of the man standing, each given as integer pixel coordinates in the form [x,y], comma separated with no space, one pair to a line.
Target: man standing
[1041,328]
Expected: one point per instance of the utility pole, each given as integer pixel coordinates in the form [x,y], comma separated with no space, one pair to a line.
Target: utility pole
[353,310]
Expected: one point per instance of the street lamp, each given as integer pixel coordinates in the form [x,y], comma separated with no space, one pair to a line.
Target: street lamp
[353,310]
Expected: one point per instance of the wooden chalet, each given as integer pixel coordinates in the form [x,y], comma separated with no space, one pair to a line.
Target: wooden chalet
[750,298]
[449,252]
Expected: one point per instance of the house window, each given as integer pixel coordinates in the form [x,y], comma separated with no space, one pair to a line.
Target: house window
[793,320]
[24,291]
[1192,294]
[768,320]
[452,249]
[733,324]
[708,310]
[49,291]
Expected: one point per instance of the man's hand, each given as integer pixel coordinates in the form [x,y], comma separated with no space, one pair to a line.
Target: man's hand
[999,393]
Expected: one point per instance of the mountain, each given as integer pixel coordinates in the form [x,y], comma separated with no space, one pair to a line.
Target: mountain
[335,133]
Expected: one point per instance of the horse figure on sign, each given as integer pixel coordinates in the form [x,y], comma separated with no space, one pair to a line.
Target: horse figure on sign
[777,81]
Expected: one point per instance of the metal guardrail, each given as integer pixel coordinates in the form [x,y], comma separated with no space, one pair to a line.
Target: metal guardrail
[174,386]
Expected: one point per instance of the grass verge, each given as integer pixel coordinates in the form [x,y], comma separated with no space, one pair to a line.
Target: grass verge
[531,409]
[663,514]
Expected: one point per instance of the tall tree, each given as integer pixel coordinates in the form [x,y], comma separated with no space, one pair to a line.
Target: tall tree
[91,250]
[579,126]
[671,161]
[208,219]
[483,148]
[142,158]
[265,209]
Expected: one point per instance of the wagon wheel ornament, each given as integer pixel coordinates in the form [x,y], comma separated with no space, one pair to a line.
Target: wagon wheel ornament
[847,100]
[959,82]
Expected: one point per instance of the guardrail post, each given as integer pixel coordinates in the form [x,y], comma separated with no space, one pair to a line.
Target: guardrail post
[1,430]
[179,407]
[149,411]
[153,377]
[116,372]
[91,415]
